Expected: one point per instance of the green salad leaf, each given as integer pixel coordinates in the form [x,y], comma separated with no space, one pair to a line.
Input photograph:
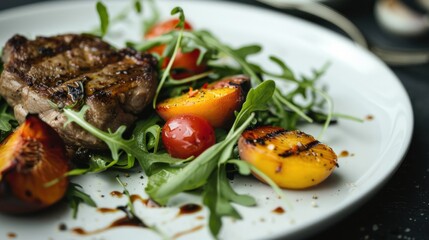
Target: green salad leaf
[166,73]
[75,197]
[7,119]
[196,173]
[218,196]
[138,6]
[134,148]
[104,18]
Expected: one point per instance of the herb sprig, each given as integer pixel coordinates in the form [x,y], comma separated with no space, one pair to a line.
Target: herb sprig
[284,110]
[75,197]
[134,148]
[7,119]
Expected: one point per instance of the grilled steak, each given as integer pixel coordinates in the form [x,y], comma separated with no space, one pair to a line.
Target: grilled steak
[72,70]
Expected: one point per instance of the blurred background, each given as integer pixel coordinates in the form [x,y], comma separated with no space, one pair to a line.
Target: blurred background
[395,30]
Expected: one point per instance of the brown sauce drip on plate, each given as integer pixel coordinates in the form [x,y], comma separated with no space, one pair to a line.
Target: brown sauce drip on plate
[194,229]
[148,202]
[11,235]
[129,220]
[279,210]
[344,154]
[136,197]
[116,194]
[121,222]
[189,209]
[107,210]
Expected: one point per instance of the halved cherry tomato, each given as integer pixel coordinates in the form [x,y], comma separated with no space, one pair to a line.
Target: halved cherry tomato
[165,27]
[187,135]
[185,64]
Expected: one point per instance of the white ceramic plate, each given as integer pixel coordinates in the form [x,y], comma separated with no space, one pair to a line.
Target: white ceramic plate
[359,83]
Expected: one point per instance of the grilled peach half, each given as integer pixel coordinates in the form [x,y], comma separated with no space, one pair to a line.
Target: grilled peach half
[215,102]
[29,158]
[292,159]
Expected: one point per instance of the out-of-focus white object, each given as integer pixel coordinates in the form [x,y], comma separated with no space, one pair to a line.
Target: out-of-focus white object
[396,17]
[393,57]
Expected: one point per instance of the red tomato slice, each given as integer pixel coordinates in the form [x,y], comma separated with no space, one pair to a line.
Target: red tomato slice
[185,64]
[187,135]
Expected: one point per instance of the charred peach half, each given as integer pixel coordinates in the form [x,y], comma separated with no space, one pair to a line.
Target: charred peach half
[215,102]
[29,158]
[292,159]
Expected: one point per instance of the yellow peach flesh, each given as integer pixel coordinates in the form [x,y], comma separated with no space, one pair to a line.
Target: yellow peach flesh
[292,159]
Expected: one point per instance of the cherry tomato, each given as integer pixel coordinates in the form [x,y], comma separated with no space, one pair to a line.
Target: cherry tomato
[185,64]
[187,135]
[165,27]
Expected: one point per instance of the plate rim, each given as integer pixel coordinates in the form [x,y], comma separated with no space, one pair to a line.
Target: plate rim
[344,211]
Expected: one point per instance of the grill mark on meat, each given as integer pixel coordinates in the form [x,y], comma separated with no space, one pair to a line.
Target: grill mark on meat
[69,69]
[63,57]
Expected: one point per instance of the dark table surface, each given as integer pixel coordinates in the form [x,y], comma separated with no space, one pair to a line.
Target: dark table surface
[400,210]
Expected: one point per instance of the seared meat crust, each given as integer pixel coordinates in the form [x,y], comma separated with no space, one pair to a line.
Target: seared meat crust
[72,70]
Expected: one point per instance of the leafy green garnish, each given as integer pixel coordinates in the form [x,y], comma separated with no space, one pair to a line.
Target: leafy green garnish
[130,204]
[75,197]
[138,6]
[284,108]
[166,73]
[7,119]
[134,148]
[246,168]
[131,213]
[218,196]
[208,169]
[104,18]
[170,176]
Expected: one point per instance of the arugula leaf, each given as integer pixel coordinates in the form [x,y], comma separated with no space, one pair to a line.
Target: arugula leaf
[166,73]
[256,100]
[179,10]
[160,177]
[138,6]
[7,119]
[147,133]
[150,162]
[245,51]
[245,168]
[96,164]
[283,110]
[287,73]
[131,214]
[127,193]
[104,18]
[133,148]
[196,173]
[75,197]
[114,141]
[218,196]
